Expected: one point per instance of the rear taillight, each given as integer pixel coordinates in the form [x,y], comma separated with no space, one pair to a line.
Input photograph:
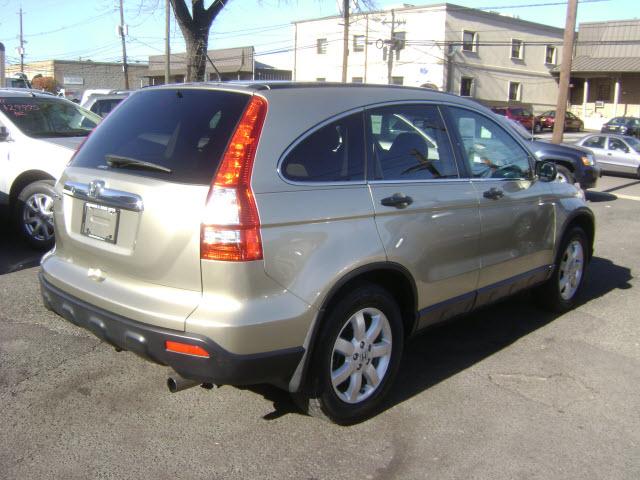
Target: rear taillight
[230,227]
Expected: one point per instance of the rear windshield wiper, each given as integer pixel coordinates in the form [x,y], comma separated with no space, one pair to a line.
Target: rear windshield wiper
[116,161]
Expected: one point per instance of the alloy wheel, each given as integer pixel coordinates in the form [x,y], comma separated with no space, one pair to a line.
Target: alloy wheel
[571,269]
[37,217]
[361,355]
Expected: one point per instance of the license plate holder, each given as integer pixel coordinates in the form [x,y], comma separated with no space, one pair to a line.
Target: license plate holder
[100,222]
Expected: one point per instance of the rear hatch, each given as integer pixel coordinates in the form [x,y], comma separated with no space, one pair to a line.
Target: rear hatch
[131,202]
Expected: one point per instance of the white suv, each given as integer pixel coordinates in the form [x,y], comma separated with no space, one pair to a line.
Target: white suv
[38,135]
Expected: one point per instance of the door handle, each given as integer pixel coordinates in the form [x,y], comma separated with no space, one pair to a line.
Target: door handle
[493,193]
[397,200]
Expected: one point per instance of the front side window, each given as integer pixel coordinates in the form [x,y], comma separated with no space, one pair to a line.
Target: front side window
[466,86]
[408,142]
[333,153]
[517,49]
[469,41]
[358,43]
[490,151]
[594,142]
[321,46]
[515,91]
[619,145]
[550,55]
[48,117]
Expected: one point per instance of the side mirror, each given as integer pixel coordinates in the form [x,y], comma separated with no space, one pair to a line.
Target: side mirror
[4,134]
[546,171]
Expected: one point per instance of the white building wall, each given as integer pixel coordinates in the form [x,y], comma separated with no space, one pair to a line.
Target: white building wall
[492,67]
[426,58]
[416,64]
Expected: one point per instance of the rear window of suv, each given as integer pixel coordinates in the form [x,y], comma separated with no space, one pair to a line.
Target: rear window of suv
[184,130]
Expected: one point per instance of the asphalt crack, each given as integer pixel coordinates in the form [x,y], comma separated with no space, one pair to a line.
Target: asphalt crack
[558,390]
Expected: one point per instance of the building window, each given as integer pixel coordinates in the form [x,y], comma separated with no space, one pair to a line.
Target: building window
[358,43]
[466,86]
[515,91]
[550,55]
[469,41]
[517,49]
[356,79]
[397,80]
[321,45]
[603,93]
[321,79]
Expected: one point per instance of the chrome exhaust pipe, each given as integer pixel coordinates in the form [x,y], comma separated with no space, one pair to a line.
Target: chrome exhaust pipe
[177,383]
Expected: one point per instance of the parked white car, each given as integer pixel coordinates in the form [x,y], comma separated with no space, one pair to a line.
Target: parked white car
[39,134]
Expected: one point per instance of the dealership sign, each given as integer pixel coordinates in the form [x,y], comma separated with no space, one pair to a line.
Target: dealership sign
[73,81]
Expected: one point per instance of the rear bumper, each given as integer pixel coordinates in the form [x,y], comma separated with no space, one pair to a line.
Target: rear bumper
[222,367]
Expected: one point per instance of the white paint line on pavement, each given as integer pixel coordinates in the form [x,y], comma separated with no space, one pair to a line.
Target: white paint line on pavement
[627,197]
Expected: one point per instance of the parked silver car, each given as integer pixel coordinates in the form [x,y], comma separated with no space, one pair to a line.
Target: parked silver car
[614,153]
[297,234]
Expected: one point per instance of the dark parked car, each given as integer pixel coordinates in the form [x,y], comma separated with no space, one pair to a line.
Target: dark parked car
[574,164]
[623,126]
[521,115]
[571,122]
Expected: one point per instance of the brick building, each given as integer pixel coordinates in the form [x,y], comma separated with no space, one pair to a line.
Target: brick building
[76,76]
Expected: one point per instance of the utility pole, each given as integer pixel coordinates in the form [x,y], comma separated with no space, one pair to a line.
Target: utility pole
[345,40]
[391,48]
[565,71]
[125,68]
[167,48]
[21,48]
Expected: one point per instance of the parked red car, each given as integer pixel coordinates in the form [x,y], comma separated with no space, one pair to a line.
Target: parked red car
[520,115]
[571,122]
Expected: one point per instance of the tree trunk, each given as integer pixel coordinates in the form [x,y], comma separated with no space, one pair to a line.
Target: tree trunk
[195,25]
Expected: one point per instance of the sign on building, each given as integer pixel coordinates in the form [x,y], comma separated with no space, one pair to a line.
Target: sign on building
[73,80]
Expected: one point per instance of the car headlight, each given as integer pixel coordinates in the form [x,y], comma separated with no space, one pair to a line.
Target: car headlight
[588,160]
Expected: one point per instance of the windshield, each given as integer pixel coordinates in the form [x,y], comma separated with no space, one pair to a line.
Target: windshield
[633,143]
[48,117]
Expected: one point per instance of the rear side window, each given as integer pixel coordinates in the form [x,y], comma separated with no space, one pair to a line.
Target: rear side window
[185,130]
[102,107]
[594,142]
[333,153]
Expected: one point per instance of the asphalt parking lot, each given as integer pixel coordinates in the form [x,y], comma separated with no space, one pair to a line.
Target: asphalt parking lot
[510,392]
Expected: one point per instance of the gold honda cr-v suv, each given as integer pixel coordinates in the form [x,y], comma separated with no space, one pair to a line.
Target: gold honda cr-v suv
[297,234]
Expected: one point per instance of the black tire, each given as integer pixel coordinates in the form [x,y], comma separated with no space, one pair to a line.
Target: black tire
[319,397]
[33,214]
[550,294]
[566,173]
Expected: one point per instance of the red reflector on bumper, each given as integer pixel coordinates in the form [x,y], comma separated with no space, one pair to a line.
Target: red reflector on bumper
[185,348]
